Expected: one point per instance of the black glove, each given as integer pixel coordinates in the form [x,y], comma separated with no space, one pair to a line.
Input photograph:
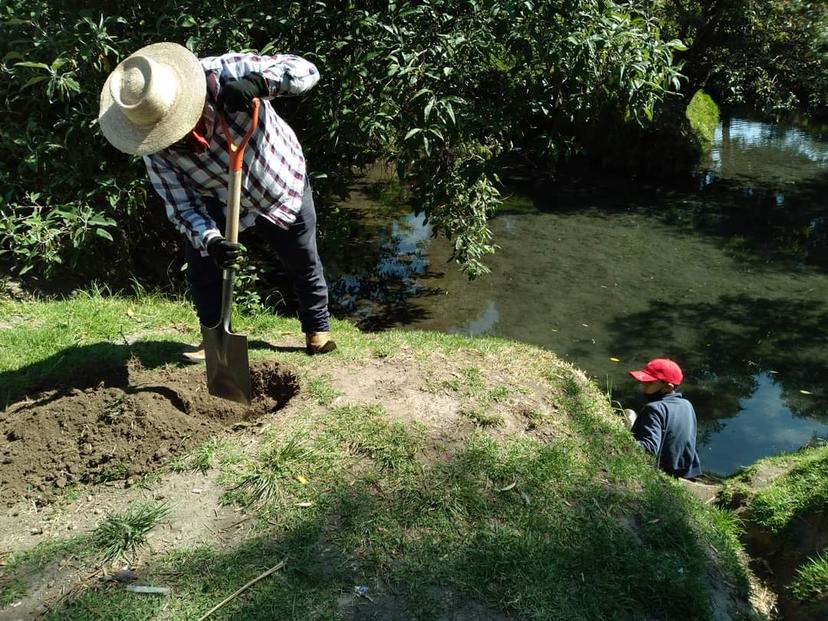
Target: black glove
[224,253]
[237,95]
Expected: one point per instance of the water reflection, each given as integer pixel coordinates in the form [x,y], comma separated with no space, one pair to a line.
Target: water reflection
[764,425]
[483,324]
[375,281]
[731,280]
[739,136]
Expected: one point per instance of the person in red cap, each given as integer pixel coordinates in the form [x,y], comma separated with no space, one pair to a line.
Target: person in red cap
[666,426]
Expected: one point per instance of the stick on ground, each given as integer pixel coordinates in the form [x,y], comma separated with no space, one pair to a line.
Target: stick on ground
[272,570]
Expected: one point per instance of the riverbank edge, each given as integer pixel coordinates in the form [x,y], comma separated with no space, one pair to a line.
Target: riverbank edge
[782,502]
[611,480]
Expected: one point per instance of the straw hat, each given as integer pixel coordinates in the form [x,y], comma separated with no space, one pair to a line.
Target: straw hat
[152,99]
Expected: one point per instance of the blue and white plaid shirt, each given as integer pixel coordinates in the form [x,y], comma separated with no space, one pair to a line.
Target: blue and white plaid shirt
[274,168]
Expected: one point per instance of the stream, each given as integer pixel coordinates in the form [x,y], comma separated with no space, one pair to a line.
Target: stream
[728,276]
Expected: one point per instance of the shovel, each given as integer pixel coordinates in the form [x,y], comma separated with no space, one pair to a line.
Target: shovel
[228,367]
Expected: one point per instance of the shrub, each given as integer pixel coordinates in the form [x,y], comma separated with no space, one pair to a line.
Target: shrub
[438,88]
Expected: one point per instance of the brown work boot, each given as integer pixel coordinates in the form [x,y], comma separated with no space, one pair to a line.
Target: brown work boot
[319,343]
[196,354]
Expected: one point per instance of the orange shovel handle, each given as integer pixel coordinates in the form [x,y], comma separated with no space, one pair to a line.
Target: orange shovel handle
[237,150]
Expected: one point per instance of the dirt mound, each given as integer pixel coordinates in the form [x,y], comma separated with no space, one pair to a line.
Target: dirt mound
[119,432]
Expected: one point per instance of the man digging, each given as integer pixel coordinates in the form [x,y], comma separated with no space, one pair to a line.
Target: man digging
[163,103]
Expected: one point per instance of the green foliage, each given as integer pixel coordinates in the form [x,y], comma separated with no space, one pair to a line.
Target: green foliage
[769,54]
[439,89]
[703,114]
[279,467]
[803,489]
[121,535]
[482,416]
[321,390]
[811,581]
[11,591]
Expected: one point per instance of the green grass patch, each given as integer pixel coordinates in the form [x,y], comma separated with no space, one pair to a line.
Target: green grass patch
[367,431]
[279,468]
[811,581]
[11,590]
[801,488]
[483,417]
[321,390]
[202,459]
[703,114]
[20,566]
[120,535]
[47,552]
[468,382]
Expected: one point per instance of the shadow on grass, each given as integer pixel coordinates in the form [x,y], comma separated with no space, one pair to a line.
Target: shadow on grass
[100,364]
[447,544]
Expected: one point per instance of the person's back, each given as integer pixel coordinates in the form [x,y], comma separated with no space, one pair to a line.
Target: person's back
[666,427]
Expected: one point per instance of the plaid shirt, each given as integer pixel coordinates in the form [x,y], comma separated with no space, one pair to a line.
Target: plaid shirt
[274,168]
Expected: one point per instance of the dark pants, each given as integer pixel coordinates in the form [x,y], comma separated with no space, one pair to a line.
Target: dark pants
[296,247]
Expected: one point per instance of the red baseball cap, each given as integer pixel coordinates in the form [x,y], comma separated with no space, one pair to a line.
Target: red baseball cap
[662,369]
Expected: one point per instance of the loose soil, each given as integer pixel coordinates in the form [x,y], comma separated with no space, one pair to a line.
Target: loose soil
[124,428]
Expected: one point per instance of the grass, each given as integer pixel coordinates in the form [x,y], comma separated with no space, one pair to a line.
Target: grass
[11,591]
[483,417]
[120,536]
[469,382]
[802,487]
[202,459]
[278,467]
[578,527]
[21,566]
[320,389]
[449,524]
[811,580]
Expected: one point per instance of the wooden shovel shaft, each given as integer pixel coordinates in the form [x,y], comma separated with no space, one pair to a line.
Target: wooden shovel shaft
[234,176]
[234,180]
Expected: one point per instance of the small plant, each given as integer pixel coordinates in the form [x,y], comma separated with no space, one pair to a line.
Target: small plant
[115,471]
[383,350]
[202,458]
[811,581]
[11,591]
[321,390]
[500,394]
[469,382]
[535,416]
[120,536]
[482,417]
[264,479]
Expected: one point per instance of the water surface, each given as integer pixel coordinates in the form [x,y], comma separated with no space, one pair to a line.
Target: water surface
[729,278]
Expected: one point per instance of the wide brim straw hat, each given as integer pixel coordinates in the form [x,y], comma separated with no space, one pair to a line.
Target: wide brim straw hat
[152,99]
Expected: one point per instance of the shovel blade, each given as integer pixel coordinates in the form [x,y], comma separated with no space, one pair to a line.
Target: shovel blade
[228,367]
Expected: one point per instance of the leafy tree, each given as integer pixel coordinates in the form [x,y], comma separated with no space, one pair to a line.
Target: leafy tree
[769,54]
[438,88]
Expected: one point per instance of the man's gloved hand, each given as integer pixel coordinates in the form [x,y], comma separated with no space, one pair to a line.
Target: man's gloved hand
[224,253]
[237,95]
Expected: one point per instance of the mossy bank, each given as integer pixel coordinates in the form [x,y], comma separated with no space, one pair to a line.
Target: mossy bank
[445,477]
[783,503]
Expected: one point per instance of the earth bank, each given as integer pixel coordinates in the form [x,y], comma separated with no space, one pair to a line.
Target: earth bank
[454,478]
